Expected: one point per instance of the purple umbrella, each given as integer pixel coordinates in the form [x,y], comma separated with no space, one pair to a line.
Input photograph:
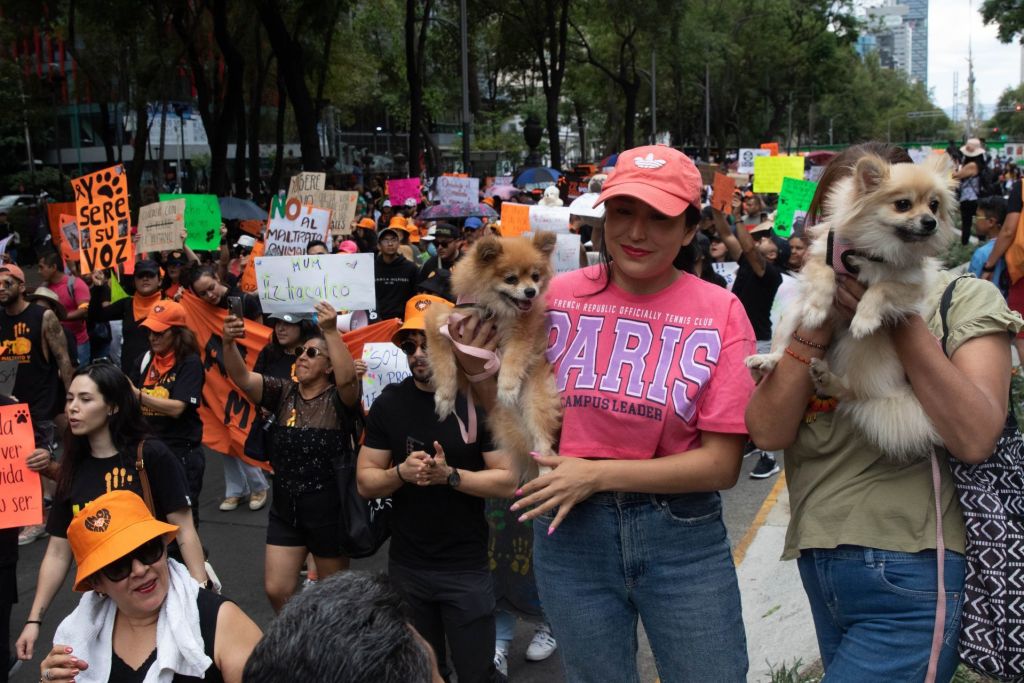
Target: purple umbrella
[457,210]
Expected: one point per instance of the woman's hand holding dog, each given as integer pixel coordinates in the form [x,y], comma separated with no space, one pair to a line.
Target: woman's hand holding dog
[570,481]
[472,331]
[848,294]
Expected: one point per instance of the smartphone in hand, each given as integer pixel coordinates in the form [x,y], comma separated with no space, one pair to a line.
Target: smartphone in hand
[235,308]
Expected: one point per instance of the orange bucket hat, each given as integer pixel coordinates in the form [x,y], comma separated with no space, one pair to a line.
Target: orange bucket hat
[109,528]
[397,222]
[415,310]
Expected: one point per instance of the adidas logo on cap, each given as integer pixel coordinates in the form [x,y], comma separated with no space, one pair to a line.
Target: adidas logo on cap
[649,161]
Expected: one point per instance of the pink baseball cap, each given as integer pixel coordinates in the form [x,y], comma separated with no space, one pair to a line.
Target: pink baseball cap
[661,177]
[348,247]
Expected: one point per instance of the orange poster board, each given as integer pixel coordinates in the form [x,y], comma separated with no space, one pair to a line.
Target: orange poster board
[70,239]
[53,214]
[101,201]
[515,219]
[21,495]
[721,193]
[772,147]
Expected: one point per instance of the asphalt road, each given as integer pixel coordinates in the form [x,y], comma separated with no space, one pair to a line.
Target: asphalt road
[236,545]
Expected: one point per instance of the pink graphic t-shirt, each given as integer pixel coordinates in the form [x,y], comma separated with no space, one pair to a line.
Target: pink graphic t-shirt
[642,376]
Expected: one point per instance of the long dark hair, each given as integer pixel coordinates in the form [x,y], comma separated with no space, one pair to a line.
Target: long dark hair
[183,341]
[196,271]
[126,424]
[273,351]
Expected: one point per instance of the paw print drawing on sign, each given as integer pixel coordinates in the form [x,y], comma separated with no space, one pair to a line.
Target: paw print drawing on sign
[111,184]
[21,417]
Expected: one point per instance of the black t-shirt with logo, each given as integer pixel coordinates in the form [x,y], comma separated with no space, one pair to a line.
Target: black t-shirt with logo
[184,382]
[96,476]
[432,527]
[757,294]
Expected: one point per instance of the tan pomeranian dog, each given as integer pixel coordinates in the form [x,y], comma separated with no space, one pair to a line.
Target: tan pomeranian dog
[887,223]
[504,280]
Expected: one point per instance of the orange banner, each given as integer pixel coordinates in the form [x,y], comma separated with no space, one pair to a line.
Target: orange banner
[21,495]
[515,219]
[101,200]
[377,332]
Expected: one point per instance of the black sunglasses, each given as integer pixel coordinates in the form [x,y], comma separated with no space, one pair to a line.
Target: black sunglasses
[409,347]
[310,351]
[147,554]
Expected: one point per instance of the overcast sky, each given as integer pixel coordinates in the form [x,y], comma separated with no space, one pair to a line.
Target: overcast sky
[996,66]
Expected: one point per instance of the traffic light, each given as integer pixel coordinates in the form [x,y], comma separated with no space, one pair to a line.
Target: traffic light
[996,129]
[1017,106]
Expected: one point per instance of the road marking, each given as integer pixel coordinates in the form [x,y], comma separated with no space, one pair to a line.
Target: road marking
[773,496]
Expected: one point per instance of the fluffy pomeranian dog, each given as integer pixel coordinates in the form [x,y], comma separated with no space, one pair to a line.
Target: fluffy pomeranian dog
[887,223]
[504,280]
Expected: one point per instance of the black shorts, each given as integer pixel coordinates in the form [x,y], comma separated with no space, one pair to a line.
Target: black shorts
[309,519]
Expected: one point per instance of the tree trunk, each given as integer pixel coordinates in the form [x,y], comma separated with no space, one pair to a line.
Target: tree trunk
[282,100]
[415,45]
[139,156]
[228,117]
[581,127]
[163,140]
[552,98]
[631,92]
[291,65]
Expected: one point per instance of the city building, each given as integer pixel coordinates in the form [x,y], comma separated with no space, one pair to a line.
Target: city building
[897,31]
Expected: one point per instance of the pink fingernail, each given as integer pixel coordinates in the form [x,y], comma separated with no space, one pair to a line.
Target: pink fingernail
[551,530]
[534,453]
[522,518]
[515,506]
[519,492]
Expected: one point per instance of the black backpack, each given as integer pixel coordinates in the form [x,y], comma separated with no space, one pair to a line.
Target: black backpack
[988,183]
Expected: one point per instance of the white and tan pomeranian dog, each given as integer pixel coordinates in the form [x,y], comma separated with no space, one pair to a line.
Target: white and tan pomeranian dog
[886,225]
[504,279]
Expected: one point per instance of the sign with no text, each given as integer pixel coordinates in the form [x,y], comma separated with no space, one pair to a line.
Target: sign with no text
[101,206]
[21,495]
[202,220]
[721,193]
[400,189]
[385,364]
[294,284]
[769,172]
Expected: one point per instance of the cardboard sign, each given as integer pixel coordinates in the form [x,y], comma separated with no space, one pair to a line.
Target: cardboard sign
[292,226]
[160,226]
[515,219]
[721,193]
[566,256]
[745,163]
[202,220]
[101,207]
[549,218]
[400,189]
[728,270]
[8,373]
[769,172]
[772,147]
[21,494]
[342,205]
[707,173]
[795,197]
[460,190]
[294,284]
[385,364]
[303,185]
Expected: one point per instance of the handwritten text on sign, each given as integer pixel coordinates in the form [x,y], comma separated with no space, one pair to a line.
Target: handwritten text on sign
[458,189]
[385,364]
[293,284]
[101,204]
[21,496]
[566,256]
[292,226]
[160,226]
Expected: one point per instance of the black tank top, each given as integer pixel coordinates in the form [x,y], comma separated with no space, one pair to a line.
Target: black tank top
[37,382]
[209,604]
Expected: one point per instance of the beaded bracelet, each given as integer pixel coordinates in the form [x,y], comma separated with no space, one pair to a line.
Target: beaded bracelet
[790,352]
[808,342]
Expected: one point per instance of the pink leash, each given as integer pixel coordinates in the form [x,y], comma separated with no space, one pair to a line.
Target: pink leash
[940,558]
[491,367]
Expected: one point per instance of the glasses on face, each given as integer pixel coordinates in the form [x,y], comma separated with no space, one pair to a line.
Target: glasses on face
[310,351]
[147,554]
[443,244]
[411,346]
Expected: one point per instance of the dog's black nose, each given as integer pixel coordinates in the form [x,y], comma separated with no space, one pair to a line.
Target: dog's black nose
[530,292]
[928,223]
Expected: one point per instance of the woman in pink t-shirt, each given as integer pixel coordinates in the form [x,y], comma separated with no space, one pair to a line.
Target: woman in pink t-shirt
[649,364]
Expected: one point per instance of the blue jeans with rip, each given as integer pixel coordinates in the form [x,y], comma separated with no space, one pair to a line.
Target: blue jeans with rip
[874,611]
[665,560]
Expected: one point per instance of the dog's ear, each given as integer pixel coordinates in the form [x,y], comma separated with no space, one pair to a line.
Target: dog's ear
[488,248]
[940,163]
[870,172]
[545,242]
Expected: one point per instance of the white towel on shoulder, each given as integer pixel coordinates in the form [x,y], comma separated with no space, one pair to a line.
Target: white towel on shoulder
[179,641]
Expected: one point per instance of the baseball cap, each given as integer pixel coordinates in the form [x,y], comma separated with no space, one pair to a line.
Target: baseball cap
[14,271]
[176,258]
[415,309]
[107,529]
[247,241]
[472,223]
[146,265]
[293,318]
[367,223]
[410,202]
[348,247]
[661,177]
[385,231]
[762,227]
[164,315]
[386,204]
[446,231]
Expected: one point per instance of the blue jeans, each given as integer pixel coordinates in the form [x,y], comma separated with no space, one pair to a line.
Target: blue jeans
[874,611]
[240,478]
[618,557]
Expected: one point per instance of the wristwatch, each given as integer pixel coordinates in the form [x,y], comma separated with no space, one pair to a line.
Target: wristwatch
[454,479]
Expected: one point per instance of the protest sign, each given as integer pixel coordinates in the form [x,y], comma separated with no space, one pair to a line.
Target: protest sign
[342,205]
[160,226]
[503,180]
[303,185]
[21,495]
[400,189]
[253,227]
[101,204]
[292,226]
[814,173]
[796,196]
[8,373]
[549,218]
[116,291]
[721,193]
[385,364]
[451,189]
[772,147]
[515,219]
[70,242]
[3,244]
[745,162]
[566,256]
[293,284]
[53,213]
[728,270]
[202,220]
[707,173]
[769,172]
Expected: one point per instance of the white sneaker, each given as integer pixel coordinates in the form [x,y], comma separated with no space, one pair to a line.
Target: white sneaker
[32,533]
[543,644]
[501,662]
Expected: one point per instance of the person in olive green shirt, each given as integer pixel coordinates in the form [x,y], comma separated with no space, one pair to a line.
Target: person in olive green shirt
[863,529]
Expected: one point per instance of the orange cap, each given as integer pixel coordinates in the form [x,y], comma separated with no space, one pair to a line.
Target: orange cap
[109,528]
[367,223]
[14,271]
[166,314]
[415,309]
[397,222]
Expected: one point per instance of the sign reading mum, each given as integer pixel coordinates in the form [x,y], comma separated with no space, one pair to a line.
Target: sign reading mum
[292,284]
[292,226]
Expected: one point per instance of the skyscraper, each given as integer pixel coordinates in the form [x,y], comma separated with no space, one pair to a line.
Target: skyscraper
[917,18]
[898,31]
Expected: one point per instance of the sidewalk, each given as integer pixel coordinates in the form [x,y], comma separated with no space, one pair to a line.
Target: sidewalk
[776,615]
